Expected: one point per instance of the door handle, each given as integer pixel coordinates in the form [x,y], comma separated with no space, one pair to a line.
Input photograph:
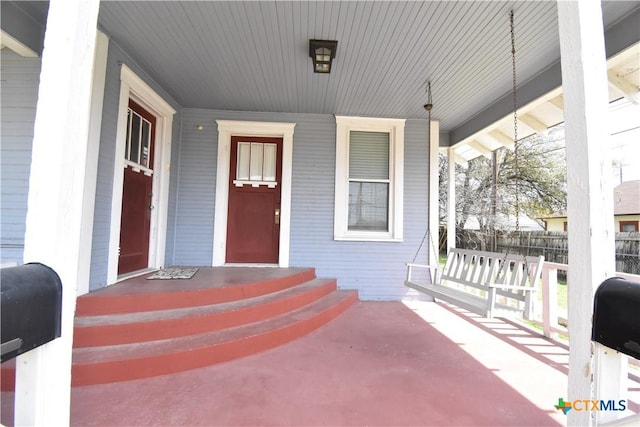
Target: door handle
[277,218]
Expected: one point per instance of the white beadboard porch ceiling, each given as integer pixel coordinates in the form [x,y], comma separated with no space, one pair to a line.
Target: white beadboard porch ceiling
[253,56]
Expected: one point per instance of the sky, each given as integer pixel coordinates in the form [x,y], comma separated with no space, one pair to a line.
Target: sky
[624,126]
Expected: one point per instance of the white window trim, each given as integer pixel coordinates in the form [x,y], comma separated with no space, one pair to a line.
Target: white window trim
[133,87]
[227,129]
[395,128]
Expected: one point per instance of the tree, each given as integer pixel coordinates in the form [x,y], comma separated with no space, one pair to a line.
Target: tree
[533,183]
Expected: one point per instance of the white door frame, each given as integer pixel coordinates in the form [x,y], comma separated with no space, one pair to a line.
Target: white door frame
[227,129]
[133,87]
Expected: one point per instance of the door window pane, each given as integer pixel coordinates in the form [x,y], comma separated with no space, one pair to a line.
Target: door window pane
[145,142]
[256,162]
[138,139]
[134,144]
[269,164]
[127,149]
[244,159]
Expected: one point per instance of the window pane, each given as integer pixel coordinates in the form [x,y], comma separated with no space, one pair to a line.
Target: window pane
[146,143]
[127,148]
[256,161]
[269,169]
[368,155]
[134,154]
[244,158]
[368,206]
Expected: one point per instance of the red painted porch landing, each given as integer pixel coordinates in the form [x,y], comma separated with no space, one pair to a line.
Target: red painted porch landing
[379,363]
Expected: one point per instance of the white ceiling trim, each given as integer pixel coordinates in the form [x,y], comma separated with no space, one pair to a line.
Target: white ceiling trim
[627,89]
[6,40]
[535,124]
[623,75]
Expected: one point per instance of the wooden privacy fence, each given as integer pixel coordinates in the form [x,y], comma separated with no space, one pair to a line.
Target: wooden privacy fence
[553,245]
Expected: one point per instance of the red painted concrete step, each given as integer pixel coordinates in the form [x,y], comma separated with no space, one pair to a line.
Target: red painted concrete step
[142,328]
[209,286]
[97,365]
[126,328]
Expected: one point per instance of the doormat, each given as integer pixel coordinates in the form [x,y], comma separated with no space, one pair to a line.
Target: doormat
[174,273]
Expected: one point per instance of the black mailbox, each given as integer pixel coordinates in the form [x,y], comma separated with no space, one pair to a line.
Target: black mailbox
[616,316]
[31,308]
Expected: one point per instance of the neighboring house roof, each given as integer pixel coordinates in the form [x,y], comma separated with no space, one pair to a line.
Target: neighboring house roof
[562,214]
[626,200]
[506,222]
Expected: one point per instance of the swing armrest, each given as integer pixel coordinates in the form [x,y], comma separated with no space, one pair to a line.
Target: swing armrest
[413,264]
[410,266]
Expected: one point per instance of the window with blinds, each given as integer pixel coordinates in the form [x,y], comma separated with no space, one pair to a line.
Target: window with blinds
[368,181]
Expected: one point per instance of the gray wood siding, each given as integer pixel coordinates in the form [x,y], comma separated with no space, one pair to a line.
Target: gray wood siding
[106,160]
[196,188]
[376,269]
[19,94]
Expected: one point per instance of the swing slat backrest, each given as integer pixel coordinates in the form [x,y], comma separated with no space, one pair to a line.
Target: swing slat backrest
[483,282]
[517,274]
[471,268]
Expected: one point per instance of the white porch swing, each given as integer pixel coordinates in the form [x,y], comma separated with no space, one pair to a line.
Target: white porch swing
[485,283]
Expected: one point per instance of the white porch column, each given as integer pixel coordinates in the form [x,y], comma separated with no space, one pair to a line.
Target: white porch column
[55,203]
[91,177]
[434,193]
[589,198]
[451,200]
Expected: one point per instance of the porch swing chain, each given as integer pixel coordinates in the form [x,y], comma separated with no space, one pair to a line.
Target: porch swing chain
[515,123]
[428,106]
[515,129]
[424,237]
[515,144]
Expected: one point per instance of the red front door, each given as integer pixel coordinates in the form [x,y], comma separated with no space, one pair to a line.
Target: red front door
[253,225]
[137,190]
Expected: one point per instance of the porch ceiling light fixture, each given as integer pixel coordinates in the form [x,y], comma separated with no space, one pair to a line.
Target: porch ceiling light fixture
[322,53]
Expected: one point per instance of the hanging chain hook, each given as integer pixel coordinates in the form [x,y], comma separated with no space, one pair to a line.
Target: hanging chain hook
[428,106]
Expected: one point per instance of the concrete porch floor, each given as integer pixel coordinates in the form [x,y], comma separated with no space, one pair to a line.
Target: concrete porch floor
[380,363]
